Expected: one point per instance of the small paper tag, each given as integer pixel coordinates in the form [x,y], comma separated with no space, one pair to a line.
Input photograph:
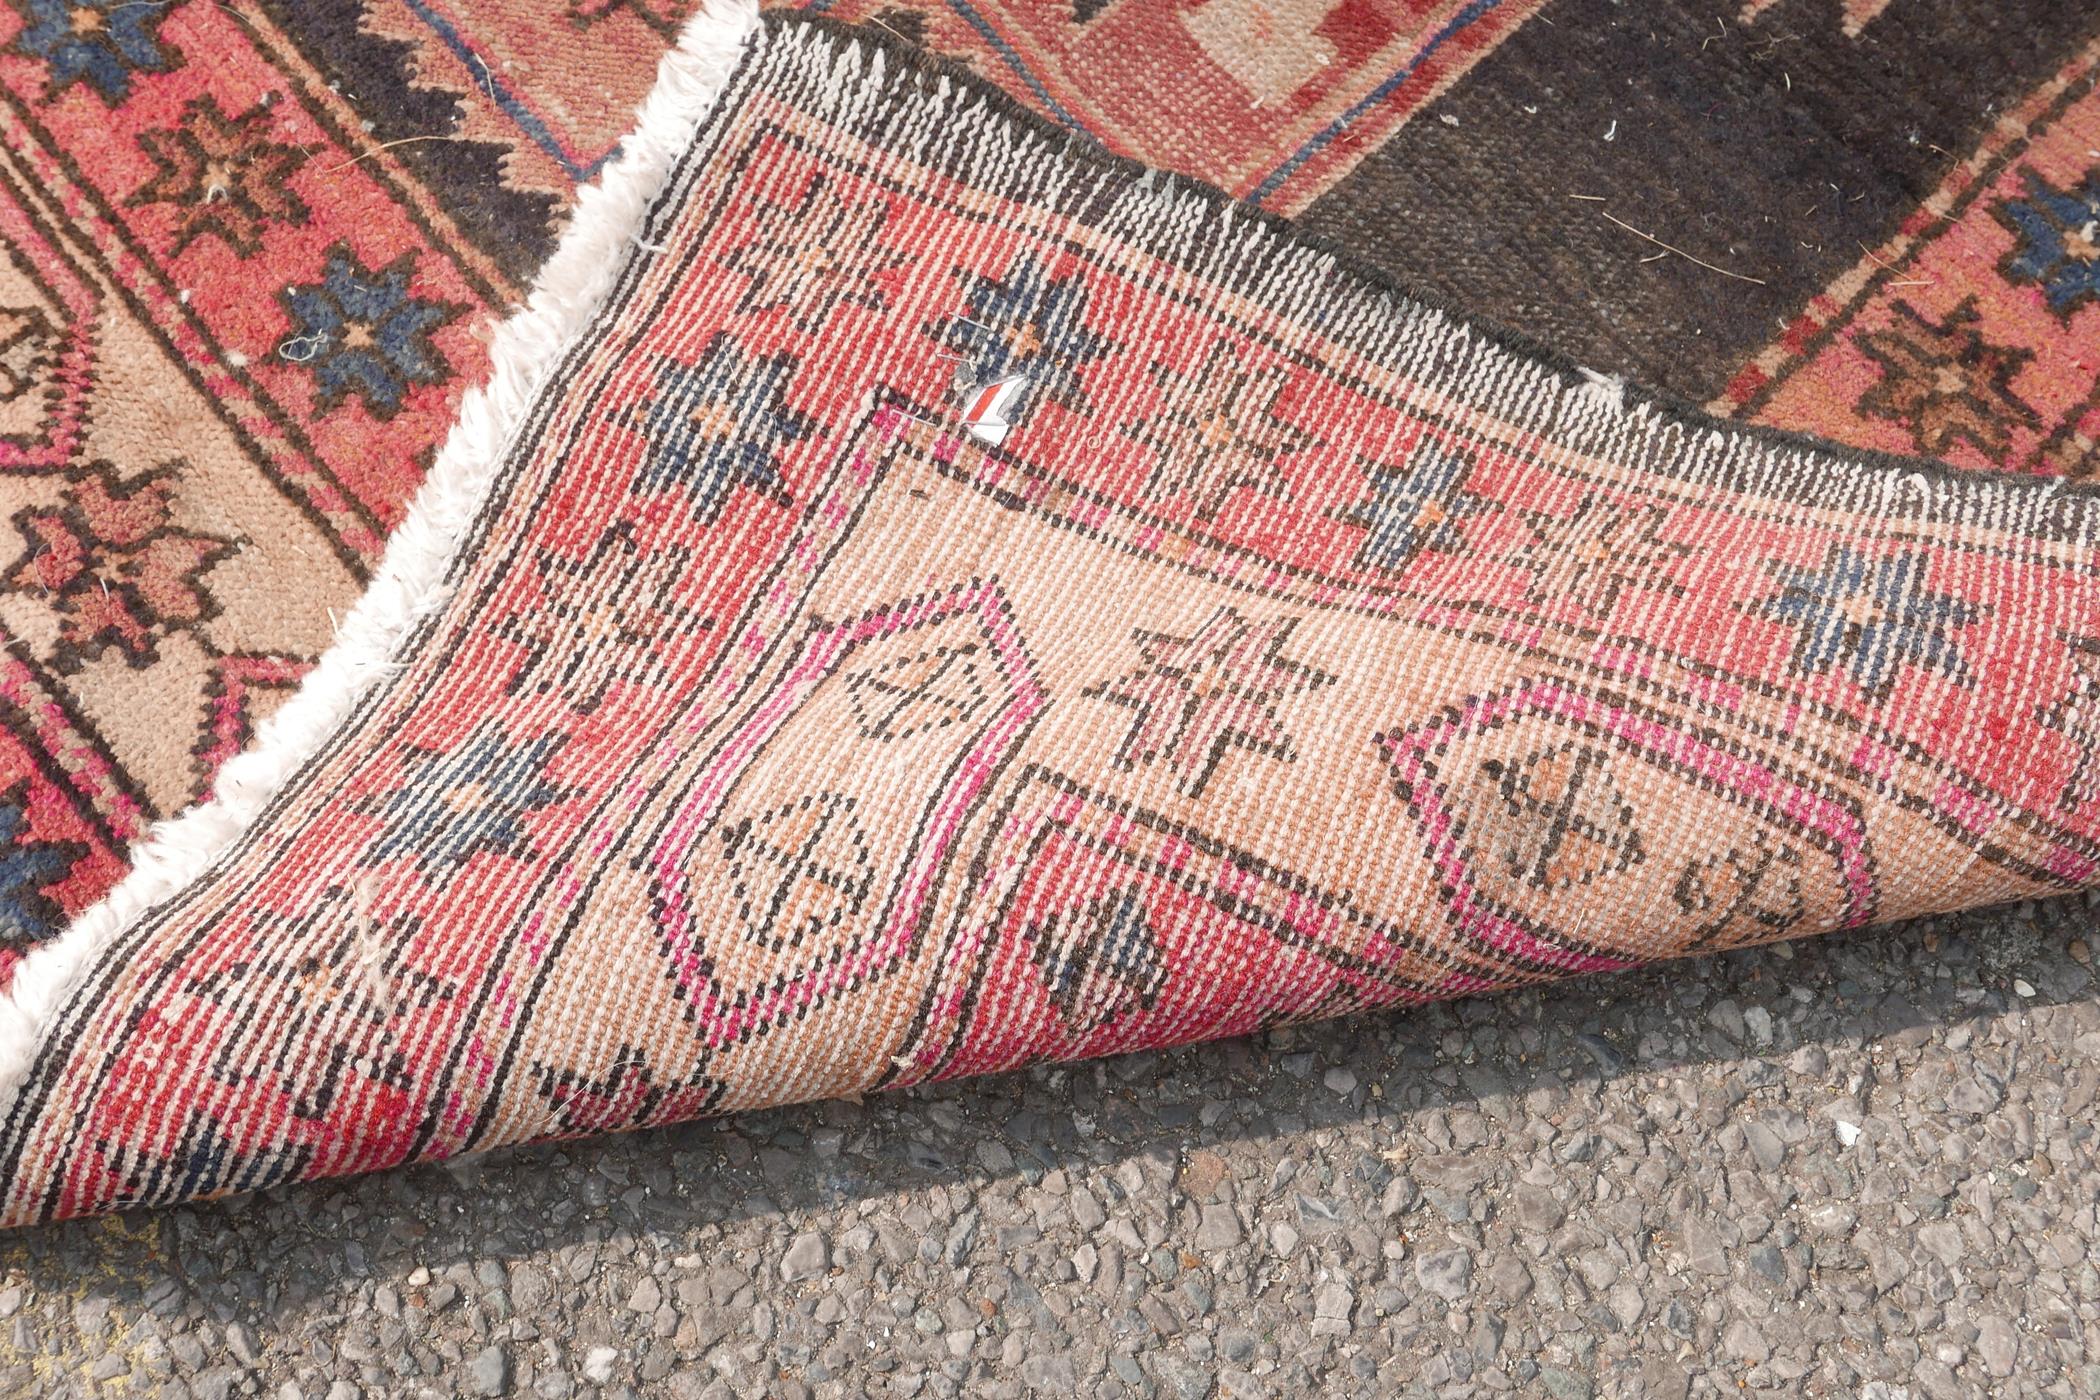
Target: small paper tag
[986,414]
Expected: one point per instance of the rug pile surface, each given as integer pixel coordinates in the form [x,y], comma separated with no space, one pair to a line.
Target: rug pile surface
[753,707]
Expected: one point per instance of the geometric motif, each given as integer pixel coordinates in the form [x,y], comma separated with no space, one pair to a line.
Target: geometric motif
[1596,552]
[326,1007]
[798,870]
[1547,812]
[797,268]
[361,332]
[2059,247]
[1871,616]
[929,691]
[2076,716]
[1099,960]
[601,622]
[1215,689]
[113,565]
[1567,822]
[1024,323]
[28,341]
[97,42]
[222,176]
[716,425]
[1945,383]
[752,846]
[1413,508]
[28,865]
[1735,898]
[465,800]
[625,1095]
[1220,430]
[201,1162]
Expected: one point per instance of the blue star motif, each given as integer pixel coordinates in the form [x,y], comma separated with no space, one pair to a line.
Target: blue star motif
[466,801]
[27,914]
[97,42]
[1412,508]
[1024,324]
[718,425]
[2059,241]
[1869,615]
[363,332]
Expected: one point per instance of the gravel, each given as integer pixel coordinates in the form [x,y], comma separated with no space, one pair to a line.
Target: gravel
[1857,1166]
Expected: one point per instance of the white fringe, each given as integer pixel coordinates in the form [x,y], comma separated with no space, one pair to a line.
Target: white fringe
[410,584]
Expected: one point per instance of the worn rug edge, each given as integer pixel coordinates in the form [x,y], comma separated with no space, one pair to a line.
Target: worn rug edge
[414,576]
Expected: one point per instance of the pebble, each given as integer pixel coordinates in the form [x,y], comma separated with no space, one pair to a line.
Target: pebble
[1331,1308]
[489,1373]
[807,1258]
[1448,1273]
[1219,1228]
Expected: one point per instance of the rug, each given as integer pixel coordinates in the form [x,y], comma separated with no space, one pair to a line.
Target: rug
[255,248]
[251,256]
[922,595]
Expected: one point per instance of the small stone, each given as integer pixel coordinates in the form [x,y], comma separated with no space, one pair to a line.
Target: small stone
[1743,1341]
[1564,1384]
[1942,1239]
[1448,1273]
[1765,1145]
[598,1364]
[1997,1344]
[2023,989]
[807,1258]
[1537,1212]
[1759,1023]
[646,1297]
[1341,1080]
[1331,1308]
[1205,1172]
[1218,1228]
[1973,1095]
[1283,1238]
[1727,1018]
[489,1372]
[1510,1279]
[1702,1247]
[1186,1379]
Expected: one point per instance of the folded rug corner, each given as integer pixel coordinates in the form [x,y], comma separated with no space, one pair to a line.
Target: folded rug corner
[920,595]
